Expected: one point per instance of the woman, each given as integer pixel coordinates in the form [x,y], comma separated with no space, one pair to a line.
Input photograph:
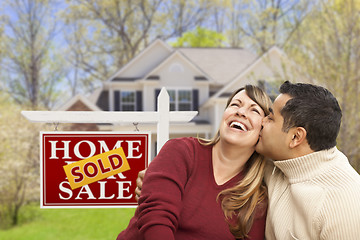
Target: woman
[190,179]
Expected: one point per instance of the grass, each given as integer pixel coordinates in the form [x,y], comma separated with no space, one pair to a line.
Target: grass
[66,224]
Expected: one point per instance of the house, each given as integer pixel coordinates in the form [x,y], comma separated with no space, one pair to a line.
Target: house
[197,79]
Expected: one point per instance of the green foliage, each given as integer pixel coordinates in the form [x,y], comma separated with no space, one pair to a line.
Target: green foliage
[99,37]
[327,50]
[259,24]
[65,224]
[19,161]
[201,37]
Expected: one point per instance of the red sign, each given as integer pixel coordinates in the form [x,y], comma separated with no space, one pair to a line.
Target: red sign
[62,150]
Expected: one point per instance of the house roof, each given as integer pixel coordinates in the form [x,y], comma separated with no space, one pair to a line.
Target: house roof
[178,54]
[74,100]
[221,64]
[158,43]
[228,87]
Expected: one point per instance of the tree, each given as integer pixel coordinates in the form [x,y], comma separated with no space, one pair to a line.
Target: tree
[104,35]
[201,37]
[179,16]
[327,50]
[19,161]
[30,66]
[259,24]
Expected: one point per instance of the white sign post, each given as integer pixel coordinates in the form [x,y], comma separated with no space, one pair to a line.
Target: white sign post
[162,117]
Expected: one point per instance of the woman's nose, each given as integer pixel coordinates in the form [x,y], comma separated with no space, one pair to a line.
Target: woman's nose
[241,112]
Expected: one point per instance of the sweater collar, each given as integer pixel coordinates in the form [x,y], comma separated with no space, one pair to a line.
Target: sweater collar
[308,166]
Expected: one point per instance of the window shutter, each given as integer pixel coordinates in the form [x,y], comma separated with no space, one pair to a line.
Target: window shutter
[117,100]
[139,103]
[103,100]
[157,91]
[195,99]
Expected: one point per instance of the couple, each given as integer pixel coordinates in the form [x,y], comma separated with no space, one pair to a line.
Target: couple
[199,189]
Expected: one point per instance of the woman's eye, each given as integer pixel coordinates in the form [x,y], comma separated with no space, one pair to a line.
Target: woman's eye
[257,111]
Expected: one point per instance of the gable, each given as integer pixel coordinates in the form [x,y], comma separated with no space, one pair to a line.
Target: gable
[144,62]
[79,106]
[177,70]
[269,67]
[78,103]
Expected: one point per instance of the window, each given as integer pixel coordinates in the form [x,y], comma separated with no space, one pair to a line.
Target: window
[172,99]
[185,100]
[176,68]
[180,100]
[127,100]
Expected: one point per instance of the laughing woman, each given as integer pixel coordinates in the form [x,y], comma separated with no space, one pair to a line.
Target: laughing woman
[174,203]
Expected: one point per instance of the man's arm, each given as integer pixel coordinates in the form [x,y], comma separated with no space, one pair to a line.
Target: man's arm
[139,183]
[340,215]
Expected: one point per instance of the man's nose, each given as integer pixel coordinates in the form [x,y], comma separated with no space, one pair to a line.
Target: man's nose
[263,122]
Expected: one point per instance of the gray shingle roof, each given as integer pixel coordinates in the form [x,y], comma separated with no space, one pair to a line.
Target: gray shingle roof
[221,64]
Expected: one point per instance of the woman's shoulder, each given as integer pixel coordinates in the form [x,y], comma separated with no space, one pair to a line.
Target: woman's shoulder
[177,153]
[186,148]
[184,142]
[179,147]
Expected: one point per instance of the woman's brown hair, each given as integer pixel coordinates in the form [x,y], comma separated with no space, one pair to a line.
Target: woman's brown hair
[242,199]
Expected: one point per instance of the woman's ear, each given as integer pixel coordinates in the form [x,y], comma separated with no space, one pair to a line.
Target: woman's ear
[298,136]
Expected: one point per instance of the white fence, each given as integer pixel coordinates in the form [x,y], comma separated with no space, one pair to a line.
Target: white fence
[163,117]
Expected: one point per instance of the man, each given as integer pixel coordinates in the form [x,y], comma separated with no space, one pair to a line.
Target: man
[314,193]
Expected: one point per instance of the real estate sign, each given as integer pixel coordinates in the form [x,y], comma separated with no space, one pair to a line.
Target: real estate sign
[91,169]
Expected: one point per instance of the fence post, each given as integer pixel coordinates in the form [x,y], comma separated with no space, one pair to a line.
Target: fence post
[164,119]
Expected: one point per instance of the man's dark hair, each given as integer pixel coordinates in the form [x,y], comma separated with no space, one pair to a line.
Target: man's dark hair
[315,109]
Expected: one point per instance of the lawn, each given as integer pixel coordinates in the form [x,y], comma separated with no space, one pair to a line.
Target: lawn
[69,224]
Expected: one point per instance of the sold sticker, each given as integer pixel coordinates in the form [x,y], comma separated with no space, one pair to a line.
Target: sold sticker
[97,167]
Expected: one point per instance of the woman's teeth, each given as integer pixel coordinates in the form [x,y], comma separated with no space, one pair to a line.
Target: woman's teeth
[238,125]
